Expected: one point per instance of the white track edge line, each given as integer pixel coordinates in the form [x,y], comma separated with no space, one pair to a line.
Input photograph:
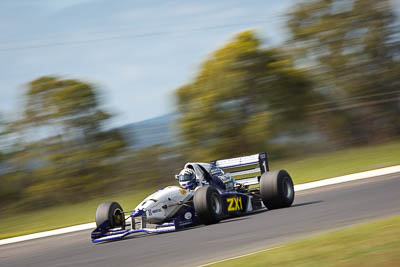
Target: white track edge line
[60,231]
[300,187]
[348,178]
[237,257]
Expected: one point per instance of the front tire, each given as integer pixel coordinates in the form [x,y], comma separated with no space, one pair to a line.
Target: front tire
[276,189]
[111,212]
[208,204]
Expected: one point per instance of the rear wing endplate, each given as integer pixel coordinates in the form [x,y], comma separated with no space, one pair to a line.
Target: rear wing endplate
[246,170]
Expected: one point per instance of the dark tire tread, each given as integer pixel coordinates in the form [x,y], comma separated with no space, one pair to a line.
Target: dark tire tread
[203,206]
[272,189]
[106,212]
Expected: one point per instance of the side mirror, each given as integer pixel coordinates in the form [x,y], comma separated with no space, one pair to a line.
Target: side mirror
[176,177]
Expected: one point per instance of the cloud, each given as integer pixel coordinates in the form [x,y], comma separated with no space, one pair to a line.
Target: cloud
[52,5]
[161,12]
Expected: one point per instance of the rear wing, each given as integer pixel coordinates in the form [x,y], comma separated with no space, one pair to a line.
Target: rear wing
[245,170]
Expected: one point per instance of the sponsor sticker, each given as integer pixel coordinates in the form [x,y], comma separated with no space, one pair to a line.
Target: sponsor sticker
[188,215]
[234,203]
[185,223]
[182,191]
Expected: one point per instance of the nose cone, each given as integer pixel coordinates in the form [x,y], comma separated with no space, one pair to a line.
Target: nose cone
[137,212]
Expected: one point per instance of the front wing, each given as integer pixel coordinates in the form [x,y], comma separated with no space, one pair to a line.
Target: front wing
[137,224]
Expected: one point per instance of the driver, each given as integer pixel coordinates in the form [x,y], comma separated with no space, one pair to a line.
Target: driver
[187,178]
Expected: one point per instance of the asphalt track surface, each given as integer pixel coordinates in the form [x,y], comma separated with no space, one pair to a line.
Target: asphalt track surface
[314,211]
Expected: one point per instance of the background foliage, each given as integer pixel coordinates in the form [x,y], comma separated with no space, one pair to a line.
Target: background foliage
[334,84]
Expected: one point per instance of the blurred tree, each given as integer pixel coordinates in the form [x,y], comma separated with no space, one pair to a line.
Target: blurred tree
[13,176]
[242,96]
[71,155]
[3,132]
[155,165]
[354,49]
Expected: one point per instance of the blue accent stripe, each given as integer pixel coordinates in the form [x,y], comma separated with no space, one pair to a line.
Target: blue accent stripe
[113,236]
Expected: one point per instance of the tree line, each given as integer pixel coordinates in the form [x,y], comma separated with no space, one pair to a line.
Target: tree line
[333,83]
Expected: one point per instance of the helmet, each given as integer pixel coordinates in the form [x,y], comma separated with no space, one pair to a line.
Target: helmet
[187,178]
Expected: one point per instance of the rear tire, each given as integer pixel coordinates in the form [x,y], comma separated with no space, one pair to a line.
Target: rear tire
[111,212]
[208,204]
[276,189]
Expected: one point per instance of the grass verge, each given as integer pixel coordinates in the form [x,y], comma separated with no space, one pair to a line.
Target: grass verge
[373,244]
[303,170]
[65,215]
[338,163]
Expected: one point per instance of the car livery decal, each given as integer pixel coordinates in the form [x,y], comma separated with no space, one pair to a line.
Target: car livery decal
[182,191]
[234,203]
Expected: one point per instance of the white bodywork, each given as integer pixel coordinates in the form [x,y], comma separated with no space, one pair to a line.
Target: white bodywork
[163,204]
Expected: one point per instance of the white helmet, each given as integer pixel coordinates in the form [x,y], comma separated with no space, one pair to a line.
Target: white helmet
[187,178]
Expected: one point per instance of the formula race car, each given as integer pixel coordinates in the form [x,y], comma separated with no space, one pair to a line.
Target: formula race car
[208,193]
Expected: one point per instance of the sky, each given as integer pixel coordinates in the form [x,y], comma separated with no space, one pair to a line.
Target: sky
[136,53]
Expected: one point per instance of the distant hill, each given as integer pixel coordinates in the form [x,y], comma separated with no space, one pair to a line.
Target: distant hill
[158,130]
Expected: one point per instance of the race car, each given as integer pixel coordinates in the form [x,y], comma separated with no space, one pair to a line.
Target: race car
[207,193]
